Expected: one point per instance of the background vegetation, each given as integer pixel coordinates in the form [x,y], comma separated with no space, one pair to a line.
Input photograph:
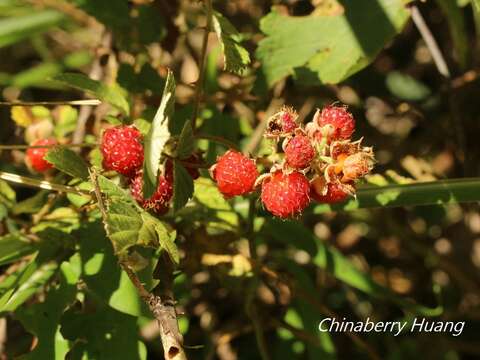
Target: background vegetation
[246,285]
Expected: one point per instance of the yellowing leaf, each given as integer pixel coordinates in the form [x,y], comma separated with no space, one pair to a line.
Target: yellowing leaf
[21,116]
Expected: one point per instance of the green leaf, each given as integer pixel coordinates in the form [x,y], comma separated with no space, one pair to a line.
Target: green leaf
[32,279]
[335,263]
[113,13]
[123,216]
[101,273]
[166,238]
[37,75]
[66,121]
[14,29]
[31,205]
[130,225]
[476,5]
[80,200]
[109,94]
[68,162]
[236,58]
[7,194]
[147,79]
[182,186]
[103,335]
[219,213]
[186,142]
[14,247]
[406,87]
[151,25]
[427,193]
[43,319]
[332,47]
[157,137]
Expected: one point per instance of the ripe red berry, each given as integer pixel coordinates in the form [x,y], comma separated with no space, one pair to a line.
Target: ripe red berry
[234,173]
[122,150]
[340,119]
[335,192]
[35,156]
[286,195]
[299,152]
[160,200]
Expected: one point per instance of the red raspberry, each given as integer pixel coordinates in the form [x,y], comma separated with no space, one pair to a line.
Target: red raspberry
[122,150]
[287,120]
[342,121]
[234,173]
[299,152]
[159,202]
[35,156]
[286,195]
[335,192]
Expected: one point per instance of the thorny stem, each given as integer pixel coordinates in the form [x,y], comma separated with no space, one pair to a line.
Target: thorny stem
[160,303]
[201,66]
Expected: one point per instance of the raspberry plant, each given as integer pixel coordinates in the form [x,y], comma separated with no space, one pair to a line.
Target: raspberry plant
[231,175]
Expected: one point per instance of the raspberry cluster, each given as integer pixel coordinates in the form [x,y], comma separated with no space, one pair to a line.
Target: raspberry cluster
[320,162]
[122,151]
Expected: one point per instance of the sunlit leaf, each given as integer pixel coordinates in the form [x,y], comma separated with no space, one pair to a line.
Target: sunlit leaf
[43,319]
[236,58]
[129,225]
[328,47]
[104,334]
[109,94]
[157,137]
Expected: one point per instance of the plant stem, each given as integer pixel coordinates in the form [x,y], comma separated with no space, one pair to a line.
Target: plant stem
[23,147]
[218,140]
[161,304]
[42,184]
[432,45]
[89,102]
[201,66]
